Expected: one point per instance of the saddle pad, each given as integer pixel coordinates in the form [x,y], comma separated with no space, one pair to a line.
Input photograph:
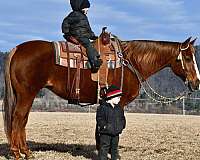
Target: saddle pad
[63,50]
[68,54]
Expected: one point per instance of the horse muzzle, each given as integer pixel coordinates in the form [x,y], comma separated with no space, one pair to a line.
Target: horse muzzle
[193,86]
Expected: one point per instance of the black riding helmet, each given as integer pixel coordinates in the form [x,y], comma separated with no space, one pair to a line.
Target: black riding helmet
[78,5]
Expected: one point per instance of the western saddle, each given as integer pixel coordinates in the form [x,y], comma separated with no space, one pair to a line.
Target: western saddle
[73,55]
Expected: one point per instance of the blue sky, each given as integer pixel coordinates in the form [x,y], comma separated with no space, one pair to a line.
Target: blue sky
[171,20]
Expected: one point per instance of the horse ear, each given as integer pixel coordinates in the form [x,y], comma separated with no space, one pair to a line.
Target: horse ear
[193,41]
[186,42]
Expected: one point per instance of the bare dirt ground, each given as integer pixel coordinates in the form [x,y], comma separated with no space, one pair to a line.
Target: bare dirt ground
[70,136]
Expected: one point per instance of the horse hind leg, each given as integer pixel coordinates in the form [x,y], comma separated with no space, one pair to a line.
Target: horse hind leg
[23,145]
[19,120]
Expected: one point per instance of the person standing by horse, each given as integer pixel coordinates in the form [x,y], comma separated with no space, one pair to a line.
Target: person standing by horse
[76,27]
[110,123]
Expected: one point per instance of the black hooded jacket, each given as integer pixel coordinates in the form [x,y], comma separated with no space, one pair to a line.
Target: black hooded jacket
[110,120]
[78,5]
[76,24]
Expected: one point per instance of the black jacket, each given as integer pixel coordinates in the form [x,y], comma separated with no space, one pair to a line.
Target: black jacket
[110,120]
[76,24]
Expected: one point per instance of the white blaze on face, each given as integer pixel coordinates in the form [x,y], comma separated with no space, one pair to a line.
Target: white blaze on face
[196,68]
[180,57]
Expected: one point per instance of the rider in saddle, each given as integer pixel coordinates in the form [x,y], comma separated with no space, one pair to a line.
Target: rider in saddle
[76,25]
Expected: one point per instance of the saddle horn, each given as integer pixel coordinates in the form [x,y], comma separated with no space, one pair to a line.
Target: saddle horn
[104,29]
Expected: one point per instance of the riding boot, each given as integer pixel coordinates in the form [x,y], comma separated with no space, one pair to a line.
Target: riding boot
[94,59]
[97,62]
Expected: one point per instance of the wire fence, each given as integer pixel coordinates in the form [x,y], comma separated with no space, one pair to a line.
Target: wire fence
[185,106]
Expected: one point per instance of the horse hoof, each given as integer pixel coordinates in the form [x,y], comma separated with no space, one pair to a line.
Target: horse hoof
[12,157]
[29,155]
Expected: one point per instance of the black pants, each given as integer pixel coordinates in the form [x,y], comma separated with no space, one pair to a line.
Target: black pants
[91,51]
[108,142]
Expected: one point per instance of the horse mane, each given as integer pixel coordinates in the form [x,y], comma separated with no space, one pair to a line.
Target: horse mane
[148,52]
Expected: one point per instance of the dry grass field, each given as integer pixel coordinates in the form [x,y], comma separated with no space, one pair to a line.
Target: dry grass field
[70,136]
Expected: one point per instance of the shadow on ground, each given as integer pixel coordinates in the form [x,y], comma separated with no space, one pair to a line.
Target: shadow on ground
[87,151]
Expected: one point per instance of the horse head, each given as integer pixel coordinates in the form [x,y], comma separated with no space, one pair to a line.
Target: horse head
[185,65]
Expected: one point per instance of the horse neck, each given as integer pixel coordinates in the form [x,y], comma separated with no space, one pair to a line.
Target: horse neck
[150,57]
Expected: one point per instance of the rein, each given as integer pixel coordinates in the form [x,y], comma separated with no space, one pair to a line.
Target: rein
[162,99]
[180,56]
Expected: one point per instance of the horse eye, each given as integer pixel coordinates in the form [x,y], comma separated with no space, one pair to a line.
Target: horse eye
[188,58]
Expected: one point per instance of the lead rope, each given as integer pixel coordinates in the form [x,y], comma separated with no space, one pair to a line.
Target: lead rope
[162,99]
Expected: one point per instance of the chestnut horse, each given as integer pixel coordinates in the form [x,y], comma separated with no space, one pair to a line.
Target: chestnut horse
[31,66]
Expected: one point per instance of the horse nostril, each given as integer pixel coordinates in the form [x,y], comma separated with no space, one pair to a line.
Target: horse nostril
[198,84]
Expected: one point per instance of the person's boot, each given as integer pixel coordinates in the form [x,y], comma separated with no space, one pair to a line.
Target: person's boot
[92,65]
[97,61]
[96,64]
[94,59]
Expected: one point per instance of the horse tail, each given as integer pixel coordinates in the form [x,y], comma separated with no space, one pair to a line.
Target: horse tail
[9,100]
